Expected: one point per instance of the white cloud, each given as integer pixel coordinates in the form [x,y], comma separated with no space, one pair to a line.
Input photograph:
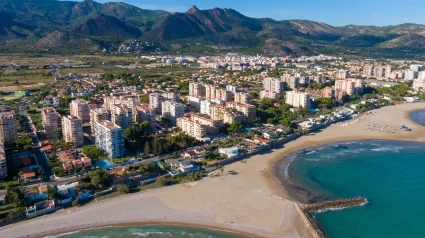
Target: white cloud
[376,14]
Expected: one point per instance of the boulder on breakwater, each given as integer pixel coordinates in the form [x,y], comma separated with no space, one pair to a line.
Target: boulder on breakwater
[308,209]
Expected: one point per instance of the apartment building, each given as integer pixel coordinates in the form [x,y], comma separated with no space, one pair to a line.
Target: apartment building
[242,97]
[342,74]
[97,114]
[80,108]
[192,128]
[143,113]
[155,102]
[274,85]
[292,81]
[49,118]
[122,115]
[269,94]
[217,112]
[388,69]
[368,70]
[378,72]
[72,130]
[328,92]
[3,162]
[232,115]
[172,110]
[196,89]
[110,138]
[351,86]
[210,91]
[213,126]
[409,74]
[248,111]
[7,127]
[232,88]
[298,99]
[195,101]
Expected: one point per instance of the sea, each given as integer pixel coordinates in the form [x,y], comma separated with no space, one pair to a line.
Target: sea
[150,231]
[389,174]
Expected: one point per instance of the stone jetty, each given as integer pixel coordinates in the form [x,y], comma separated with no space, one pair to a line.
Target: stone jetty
[309,209]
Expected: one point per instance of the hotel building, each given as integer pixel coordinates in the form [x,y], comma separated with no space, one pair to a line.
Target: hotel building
[110,138]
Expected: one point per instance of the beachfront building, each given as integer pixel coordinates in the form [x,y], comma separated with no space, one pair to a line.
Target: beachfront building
[110,138]
[49,118]
[297,99]
[80,108]
[72,130]
[97,114]
[248,111]
[7,127]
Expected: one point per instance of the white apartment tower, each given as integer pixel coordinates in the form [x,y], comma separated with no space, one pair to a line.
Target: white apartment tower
[72,130]
[110,138]
[172,110]
[298,99]
[274,85]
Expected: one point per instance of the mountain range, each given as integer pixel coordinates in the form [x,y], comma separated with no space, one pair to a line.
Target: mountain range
[88,26]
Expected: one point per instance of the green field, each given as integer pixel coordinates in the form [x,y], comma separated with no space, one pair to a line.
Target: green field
[24,76]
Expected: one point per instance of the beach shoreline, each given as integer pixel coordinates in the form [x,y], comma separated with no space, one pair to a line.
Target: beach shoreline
[247,199]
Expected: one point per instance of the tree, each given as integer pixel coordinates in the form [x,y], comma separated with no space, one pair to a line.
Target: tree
[234,127]
[161,181]
[100,179]
[147,149]
[122,189]
[23,142]
[145,128]
[34,189]
[131,133]
[51,192]
[92,151]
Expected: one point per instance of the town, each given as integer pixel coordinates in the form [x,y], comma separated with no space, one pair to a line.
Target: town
[123,124]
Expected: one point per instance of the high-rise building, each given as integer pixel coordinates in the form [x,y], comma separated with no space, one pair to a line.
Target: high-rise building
[210,91]
[155,102]
[368,70]
[350,86]
[7,127]
[3,162]
[172,110]
[196,89]
[195,101]
[143,113]
[232,115]
[416,67]
[49,118]
[342,74]
[248,111]
[274,85]
[292,81]
[298,99]
[80,108]
[242,97]
[110,138]
[409,74]
[232,88]
[72,130]
[388,70]
[192,128]
[212,126]
[328,92]
[97,114]
[378,72]
[122,115]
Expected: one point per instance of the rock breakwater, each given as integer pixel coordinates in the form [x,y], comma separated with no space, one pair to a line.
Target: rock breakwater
[309,209]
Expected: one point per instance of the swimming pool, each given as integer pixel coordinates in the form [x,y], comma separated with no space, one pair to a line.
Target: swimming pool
[104,164]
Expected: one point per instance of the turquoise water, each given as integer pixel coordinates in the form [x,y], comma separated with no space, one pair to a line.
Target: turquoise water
[104,164]
[152,231]
[389,174]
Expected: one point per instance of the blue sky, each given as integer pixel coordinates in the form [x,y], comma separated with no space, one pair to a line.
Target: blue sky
[333,12]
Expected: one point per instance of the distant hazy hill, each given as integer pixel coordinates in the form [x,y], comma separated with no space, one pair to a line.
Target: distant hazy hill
[63,23]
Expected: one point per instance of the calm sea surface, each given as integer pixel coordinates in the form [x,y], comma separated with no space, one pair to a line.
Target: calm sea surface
[389,174]
[151,231]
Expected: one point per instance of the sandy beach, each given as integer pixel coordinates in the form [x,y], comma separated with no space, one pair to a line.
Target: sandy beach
[247,198]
